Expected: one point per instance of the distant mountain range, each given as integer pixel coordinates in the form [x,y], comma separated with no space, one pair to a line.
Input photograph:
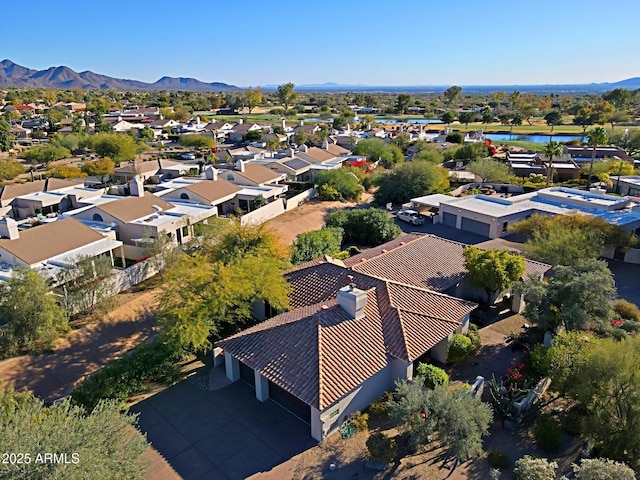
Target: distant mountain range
[629,84]
[14,75]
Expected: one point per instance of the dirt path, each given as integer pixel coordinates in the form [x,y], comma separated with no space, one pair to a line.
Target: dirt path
[307,217]
[86,349]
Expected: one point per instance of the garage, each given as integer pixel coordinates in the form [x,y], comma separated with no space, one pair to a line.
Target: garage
[449,219]
[246,374]
[474,226]
[290,402]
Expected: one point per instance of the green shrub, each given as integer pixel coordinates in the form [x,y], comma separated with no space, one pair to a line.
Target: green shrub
[382,448]
[151,362]
[379,407]
[497,458]
[631,326]
[369,226]
[474,336]
[432,375]
[342,181]
[327,192]
[360,421]
[537,361]
[627,310]
[548,432]
[459,348]
[532,468]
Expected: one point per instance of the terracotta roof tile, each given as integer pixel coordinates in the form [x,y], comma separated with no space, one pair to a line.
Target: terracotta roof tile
[440,265]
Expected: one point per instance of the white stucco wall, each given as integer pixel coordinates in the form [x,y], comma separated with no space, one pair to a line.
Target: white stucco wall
[440,351]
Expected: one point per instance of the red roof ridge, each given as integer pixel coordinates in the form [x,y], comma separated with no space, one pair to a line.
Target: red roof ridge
[405,338]
[321,387]
[413,287]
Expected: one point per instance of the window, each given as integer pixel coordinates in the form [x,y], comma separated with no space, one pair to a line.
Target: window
[185,231]
[97,217]
[505,227]
[184,196]
[230,177]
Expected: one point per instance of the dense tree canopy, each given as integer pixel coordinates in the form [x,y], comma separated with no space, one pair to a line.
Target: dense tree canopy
[311,245]
[6,139]
[339,183]
[30,318]
[286,94]
[100,445]
[410,180]
[211,292]
[568,239]
[490,170]
[47,154]
[575,297]
[115,146]
[197,141]
[10,168]
[494,271]
[366,227]
[608,385]
[377,150]
[459,419]
[101,168]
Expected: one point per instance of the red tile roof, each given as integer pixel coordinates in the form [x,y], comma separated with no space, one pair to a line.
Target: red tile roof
[318,352]
[426,261]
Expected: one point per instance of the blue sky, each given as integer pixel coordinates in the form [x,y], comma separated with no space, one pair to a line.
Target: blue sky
[373,42]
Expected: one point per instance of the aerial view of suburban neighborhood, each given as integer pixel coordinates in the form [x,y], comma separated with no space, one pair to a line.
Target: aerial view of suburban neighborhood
[296,241]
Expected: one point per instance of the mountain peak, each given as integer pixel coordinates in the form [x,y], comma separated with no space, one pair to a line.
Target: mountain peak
[14,75]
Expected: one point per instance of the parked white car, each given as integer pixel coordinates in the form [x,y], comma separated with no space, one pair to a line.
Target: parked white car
[410,216]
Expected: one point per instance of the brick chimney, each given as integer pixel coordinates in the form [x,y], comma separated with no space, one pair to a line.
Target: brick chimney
[352,300]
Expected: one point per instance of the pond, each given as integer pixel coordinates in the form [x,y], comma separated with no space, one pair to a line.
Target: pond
[498,137]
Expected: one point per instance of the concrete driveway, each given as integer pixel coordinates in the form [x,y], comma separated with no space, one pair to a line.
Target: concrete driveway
[226,434]
[627,277]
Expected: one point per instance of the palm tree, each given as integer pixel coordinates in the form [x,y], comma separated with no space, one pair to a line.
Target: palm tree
[596,136]
[551,150]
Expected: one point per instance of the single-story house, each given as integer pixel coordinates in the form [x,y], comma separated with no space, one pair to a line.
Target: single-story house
[50,247]
[354,328]
[345,342]
[491,216]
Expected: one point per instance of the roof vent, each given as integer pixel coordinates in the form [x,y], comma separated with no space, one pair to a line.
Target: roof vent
[324,307]
[402,243]
[384,250]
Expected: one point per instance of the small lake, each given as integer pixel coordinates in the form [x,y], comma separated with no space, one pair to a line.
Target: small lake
[497,137]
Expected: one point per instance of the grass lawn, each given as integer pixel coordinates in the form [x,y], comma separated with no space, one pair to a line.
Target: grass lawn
[538,147]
